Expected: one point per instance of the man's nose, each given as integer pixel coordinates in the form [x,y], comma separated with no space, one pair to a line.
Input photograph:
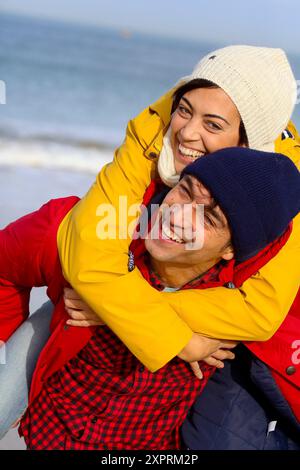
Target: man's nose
[183,214]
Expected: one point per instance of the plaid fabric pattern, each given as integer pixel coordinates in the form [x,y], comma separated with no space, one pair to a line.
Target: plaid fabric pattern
[105,399]
[210,276]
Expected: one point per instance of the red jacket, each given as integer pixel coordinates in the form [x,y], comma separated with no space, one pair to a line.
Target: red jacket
[32,239]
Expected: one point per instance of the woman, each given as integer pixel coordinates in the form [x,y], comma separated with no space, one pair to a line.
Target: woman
[228,111]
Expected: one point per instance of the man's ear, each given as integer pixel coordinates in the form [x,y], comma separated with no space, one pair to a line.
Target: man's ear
[228,253]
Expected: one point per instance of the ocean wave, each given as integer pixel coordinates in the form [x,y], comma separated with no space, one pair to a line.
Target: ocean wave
[73,135]
[43,153]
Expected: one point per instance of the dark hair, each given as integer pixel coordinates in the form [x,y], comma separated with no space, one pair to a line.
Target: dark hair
[202,83]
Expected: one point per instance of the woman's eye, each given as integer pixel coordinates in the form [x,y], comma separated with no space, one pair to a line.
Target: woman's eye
[183,110]
[214,126]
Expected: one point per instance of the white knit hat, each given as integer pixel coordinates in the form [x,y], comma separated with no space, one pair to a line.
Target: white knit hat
[260,82]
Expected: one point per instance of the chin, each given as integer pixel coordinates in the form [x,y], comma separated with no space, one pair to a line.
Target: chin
[157,253]
[179,166]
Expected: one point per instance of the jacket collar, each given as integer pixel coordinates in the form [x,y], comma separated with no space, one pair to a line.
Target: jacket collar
[162,108]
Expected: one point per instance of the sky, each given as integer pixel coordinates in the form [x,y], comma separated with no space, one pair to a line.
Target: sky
[258,22]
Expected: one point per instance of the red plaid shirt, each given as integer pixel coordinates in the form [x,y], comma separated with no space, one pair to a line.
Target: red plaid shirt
[104,398]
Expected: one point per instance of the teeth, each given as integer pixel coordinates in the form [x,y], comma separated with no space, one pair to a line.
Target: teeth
[189,152]
[168,234]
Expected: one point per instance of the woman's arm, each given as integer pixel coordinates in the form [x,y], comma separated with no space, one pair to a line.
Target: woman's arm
[81,250]
[260,305]
[90,263]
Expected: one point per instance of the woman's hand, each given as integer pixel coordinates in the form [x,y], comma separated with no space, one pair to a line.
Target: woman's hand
[210,350]
[80,313]
[215,360]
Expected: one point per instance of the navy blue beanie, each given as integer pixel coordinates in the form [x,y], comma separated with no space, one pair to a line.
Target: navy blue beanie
[259,192]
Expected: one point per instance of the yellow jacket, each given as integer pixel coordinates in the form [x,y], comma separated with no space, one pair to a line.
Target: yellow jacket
[154,325]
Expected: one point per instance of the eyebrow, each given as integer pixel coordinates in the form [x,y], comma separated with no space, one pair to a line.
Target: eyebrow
[218,117]
[207,115]
[187,179]
[187,101]
[212,208]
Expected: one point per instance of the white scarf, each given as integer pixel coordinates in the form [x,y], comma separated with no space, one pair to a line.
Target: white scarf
[166,166]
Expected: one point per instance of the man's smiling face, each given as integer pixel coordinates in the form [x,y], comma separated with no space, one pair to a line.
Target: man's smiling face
[188,235]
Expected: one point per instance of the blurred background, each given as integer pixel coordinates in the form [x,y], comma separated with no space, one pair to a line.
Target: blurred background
[76,71]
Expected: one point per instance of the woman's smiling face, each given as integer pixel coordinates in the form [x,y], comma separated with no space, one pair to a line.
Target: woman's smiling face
[205,120]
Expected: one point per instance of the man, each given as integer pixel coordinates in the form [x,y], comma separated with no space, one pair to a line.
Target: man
[89,391]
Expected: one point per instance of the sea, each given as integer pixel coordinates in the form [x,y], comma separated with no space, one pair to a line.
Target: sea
[70,89]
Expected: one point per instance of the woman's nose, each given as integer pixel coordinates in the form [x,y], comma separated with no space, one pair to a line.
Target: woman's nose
[191,132]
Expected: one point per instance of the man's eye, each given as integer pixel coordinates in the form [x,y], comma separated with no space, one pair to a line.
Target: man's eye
[184,189]
[208,220]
